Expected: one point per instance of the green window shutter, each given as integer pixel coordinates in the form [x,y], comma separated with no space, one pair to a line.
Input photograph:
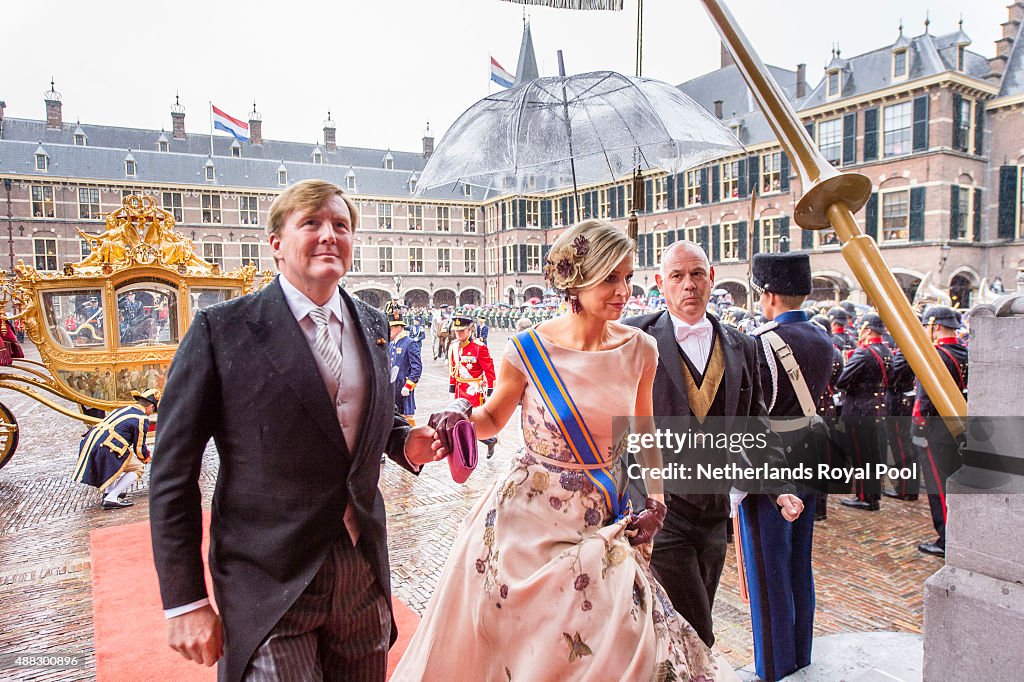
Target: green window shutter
[715,189]
[756,238]
[806,239]
[784,234]
[871,216]
[870,134]
[741,229]
[741,181]
[916,214]
[954,210]
[1007,223]
[959,143]
[979,127]
[850,139]
[702,234]
[978,209]
[716,242]
[705,189]
[545,212]
[649,196]
[753,174]
[784,173]
[920,130]
[670,191]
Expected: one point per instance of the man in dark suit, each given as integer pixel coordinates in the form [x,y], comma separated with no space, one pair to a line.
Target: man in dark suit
[292,384]
[705,369]
[796,366]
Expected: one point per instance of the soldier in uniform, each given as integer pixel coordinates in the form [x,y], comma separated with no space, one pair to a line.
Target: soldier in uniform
[406,365]
[471,369]
[796,366]
[829,409]
[113,454]
[416,331]
[482,330]
[902,393]
[865,382]
[937,448]
[842,338]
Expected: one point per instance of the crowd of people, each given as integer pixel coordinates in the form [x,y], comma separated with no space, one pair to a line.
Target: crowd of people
[570,565]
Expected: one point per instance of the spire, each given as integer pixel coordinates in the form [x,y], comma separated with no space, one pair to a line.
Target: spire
[927,21]
[526,71]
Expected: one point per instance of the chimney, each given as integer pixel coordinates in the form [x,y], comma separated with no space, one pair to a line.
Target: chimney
[255,126]
[725,57]
[177,119]
[329,139]
[428,142]
[52,98]
[801,81]
[1016,11]
[718,108]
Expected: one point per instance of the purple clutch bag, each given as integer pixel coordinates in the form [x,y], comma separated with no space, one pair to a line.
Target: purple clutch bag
[462,459]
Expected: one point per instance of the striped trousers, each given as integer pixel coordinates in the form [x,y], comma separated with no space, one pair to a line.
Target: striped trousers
[338,629]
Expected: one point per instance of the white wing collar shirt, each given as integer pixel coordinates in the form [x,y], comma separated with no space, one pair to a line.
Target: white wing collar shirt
[694,340]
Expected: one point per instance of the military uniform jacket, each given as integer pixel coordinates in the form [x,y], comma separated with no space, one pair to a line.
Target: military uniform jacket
[109,445]
[954,356]
[471,371]
[406,368]
[844,341]
[812,350]
[865,380]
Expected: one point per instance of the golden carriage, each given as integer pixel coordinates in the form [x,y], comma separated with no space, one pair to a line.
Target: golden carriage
[110,324]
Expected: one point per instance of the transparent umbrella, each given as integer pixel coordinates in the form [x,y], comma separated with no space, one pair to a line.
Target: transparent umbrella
[558,132]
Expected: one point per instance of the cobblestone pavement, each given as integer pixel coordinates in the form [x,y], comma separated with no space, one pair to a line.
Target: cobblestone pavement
[869,575]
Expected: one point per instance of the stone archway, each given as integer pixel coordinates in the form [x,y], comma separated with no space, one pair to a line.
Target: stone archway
[373,297]
[637,290]
[417,298]
[824,288]
[444,297]
[511,296]
[961,290]
[909,283]
[736,289]
[469,297]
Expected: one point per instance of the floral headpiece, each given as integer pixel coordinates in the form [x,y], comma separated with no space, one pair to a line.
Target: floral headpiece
[564,268]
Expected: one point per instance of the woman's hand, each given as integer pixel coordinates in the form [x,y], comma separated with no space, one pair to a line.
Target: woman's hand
[445,420]
[647,523]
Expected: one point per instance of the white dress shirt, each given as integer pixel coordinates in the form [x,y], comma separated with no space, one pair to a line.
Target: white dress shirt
[697,346]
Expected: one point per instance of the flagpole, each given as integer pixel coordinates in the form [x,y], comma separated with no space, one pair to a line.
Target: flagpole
[211,129]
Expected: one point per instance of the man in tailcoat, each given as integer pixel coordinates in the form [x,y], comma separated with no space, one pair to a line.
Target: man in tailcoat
[705,369]
[796,364]
[292,384]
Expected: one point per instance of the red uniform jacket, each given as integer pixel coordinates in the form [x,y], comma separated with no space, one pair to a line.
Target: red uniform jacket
[471,371]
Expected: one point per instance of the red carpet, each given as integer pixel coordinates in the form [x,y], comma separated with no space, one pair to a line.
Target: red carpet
[128,620]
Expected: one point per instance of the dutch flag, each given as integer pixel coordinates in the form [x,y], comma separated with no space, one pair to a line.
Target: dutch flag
[230,124]
[500,75]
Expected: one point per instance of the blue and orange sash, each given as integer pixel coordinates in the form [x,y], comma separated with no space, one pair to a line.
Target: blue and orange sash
[570,422]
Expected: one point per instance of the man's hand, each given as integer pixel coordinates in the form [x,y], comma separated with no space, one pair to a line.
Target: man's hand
[197,635]
[445,420]
[424,445]
[791,506]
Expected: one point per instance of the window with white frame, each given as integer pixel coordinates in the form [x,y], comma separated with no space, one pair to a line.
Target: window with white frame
[42,202]
[895,215]
[415,213]
[769,235]
[251,253]
[692,233]
[965,125]
[556,212]
[248,210]
[350,183]
[213,252]
[660,195]
[385,259]
[491,219]
[444,259]
[211,172]
[80,140]
[171,202]
[897,129]
[730,180]
[834,83]
[42,162]
[660,244]
[385,213]
[133,192]
[318,157]
[826,237]
[211,208]
[282,177]
[492,260]
[469,219]
[830,140]
[510,257]
[88,203]
[604,202]
[960,53]
[771,173]
[163,146]
[467,190]
[692,187]
[45,251]
[469,260]
[730,241]
[444,219]
[415,259]
[533,257]
[899,64]
[962,218]
[532,213]
[357,259]
[85,248]
[236,151]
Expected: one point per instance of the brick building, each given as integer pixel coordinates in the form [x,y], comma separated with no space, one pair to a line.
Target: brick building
[933,124]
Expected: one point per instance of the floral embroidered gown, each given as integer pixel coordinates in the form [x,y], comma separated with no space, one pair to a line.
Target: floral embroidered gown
[540,583]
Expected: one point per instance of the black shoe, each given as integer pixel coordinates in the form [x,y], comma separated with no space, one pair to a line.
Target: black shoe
[931,548]
[490,450]
[116,504]
[860,504]
[821,517]
[897,496]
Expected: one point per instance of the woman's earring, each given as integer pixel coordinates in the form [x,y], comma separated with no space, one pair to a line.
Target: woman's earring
[574,301]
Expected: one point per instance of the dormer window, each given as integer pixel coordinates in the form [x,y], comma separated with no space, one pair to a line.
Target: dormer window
[163,146]
[129,168]
[80,139]
[389,162]
[834,84]
[467,190]
[42,162]
[412,185]
[899,64]
[961,51]
[236,149]
[211,171]
[350,182]
[318,157]
[282,176]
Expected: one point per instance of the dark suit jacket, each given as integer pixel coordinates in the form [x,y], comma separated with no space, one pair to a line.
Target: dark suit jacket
[741,385]
[246,376]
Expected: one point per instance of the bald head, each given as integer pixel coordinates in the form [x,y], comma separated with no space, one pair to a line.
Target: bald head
[684,248]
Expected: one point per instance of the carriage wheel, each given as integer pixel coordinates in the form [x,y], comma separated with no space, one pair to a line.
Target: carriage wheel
[8,435]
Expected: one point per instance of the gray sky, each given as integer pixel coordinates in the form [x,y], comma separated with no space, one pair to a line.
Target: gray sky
[385,67]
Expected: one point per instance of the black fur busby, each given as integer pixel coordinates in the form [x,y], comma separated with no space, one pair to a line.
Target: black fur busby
[787,274]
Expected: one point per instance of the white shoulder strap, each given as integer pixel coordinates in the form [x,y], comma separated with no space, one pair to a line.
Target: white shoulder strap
[785,355]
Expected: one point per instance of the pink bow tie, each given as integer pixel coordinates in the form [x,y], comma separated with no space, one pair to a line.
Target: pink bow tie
[697,331]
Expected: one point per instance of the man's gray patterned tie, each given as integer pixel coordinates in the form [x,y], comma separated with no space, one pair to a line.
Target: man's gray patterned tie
[324,344]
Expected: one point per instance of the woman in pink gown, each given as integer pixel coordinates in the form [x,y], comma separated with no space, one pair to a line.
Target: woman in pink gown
[543,582]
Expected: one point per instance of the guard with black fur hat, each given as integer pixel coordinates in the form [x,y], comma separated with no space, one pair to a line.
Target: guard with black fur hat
[406,363]
[937,450]
[113,454]
[865,381]
[795,363]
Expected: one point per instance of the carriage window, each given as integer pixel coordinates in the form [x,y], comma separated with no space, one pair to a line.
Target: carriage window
[204,298]
[147,314]
[75,318]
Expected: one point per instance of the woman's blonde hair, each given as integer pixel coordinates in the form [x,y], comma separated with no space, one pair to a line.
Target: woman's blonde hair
[586,254]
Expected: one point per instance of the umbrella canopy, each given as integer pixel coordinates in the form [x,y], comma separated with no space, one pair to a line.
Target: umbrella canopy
[593,127]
